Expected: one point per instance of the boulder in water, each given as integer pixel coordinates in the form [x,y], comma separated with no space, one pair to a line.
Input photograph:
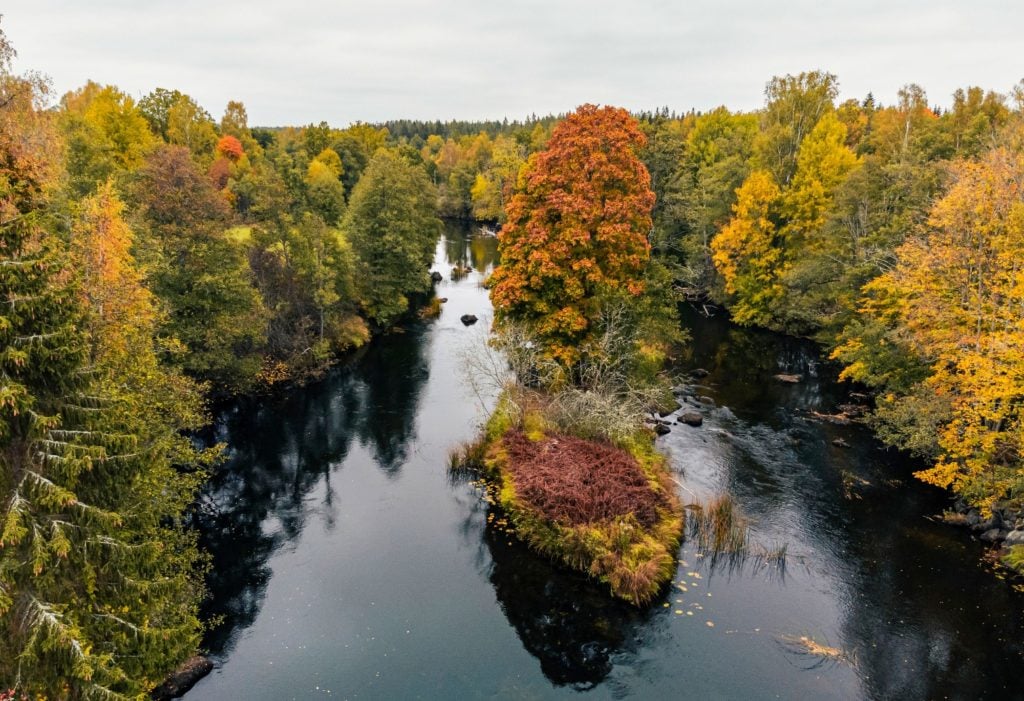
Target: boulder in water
[468,319]
[1014,537]
[691,418]
[436,276]
[993,535]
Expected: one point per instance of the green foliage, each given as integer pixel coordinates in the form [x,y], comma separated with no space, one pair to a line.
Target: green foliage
[107,135]
[325,192]
[99,585]
[392,226]
[795,104]
[1015,558]
[201,275]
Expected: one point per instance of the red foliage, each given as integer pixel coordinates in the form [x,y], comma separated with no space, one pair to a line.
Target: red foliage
[575,481]
[230,147]
[578,228]
[220,172]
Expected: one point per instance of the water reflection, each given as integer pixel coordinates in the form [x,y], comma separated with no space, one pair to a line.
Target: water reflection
[280,450]
[390,582]
[467,246]
[391,378]
[919,616]
[565,620]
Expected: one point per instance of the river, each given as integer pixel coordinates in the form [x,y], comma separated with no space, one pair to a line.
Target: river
[349,564]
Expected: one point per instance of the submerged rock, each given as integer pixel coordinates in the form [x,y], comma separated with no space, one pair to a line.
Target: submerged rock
[468,319]
[840,443]
[691,418]
[183,678]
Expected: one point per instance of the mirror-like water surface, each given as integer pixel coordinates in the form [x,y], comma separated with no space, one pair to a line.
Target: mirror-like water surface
[349,564]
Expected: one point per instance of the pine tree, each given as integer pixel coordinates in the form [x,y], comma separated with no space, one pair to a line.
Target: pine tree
[99,587]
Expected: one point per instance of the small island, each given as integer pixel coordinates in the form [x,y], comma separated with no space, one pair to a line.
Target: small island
[608,510]
[566,453]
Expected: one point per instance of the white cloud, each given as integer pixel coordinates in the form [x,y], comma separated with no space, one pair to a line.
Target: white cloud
[301,62]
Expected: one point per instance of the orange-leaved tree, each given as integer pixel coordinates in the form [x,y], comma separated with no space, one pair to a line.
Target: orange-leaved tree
[576,231]
[230,147]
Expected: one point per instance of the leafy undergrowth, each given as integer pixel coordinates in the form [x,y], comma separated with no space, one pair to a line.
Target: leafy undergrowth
[607,509]
[1014,558]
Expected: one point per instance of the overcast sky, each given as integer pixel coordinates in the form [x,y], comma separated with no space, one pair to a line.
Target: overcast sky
[297,62]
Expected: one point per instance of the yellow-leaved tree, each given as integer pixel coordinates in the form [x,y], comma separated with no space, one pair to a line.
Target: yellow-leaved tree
[960,288]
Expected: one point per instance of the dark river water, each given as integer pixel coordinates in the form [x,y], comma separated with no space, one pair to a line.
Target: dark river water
[349,564]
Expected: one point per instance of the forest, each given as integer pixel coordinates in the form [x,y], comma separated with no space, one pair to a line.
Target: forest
[155,259]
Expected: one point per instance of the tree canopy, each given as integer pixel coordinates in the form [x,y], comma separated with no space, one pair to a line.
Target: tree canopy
[576,229]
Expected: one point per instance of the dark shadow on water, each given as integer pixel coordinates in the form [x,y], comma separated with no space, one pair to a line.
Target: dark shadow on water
[571,624]
[391,375]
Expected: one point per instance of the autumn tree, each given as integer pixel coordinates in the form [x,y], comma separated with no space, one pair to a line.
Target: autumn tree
[106,134]
[955,297]
[189,125]
[793,106]
[392,226]
[776,249]
[748,250]
[576,230]
[325,193]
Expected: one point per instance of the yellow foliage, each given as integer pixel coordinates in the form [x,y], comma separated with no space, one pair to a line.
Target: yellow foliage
[961,292]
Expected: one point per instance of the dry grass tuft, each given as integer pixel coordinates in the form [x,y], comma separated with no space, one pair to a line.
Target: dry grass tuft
[574,482]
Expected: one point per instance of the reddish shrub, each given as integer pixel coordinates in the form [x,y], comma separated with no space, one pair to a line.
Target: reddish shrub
[575,481]
[220,172]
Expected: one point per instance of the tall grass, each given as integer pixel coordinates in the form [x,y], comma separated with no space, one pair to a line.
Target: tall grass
[722,534]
